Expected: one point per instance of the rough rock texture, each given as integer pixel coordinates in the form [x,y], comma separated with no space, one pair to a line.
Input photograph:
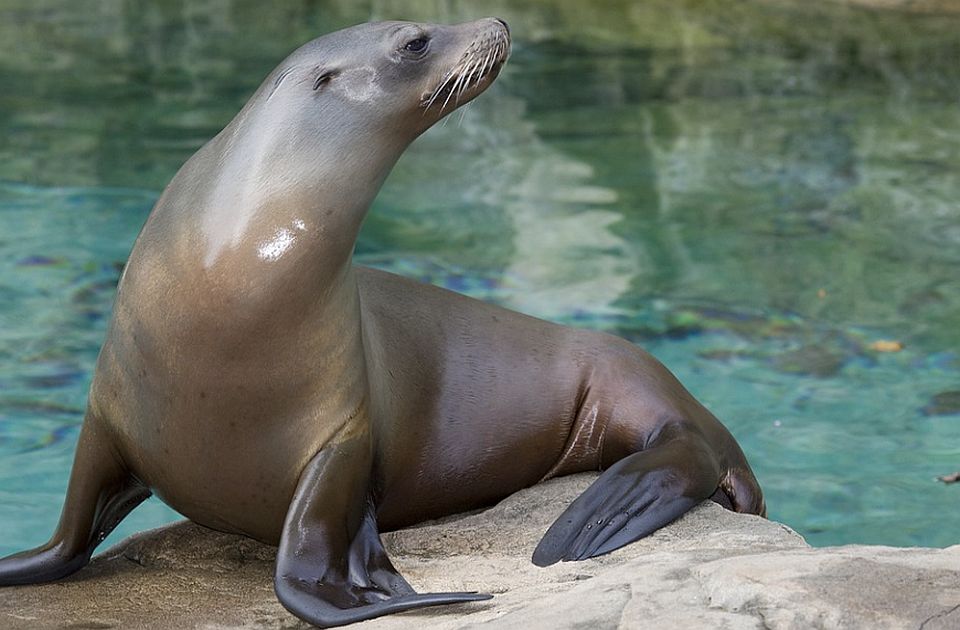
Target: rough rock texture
[712,569]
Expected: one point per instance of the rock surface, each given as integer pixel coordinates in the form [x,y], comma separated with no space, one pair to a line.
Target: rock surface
[712,569]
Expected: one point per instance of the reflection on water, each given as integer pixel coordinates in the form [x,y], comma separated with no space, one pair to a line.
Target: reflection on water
[757,192]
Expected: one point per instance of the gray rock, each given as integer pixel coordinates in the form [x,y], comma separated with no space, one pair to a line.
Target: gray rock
[711,569]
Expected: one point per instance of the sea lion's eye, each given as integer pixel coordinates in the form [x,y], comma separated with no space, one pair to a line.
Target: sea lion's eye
[322,79]
[416,45]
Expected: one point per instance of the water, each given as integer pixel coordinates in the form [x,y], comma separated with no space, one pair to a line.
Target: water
[757,193]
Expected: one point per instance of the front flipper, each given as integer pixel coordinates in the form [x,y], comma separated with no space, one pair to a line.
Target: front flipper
[100,494]
[331,566]
[633,498]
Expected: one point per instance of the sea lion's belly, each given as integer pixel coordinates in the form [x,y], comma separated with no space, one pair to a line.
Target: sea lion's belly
[471,402]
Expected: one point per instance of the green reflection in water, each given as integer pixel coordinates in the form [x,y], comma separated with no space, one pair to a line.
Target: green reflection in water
[755,191]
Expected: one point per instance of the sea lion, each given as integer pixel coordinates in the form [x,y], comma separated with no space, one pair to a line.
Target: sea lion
[259,383]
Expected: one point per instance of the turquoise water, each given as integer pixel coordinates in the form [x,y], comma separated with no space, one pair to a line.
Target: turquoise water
[755,193]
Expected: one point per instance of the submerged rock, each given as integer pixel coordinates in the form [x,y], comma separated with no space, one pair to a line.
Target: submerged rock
[813,360]
[711,569]
[943,404]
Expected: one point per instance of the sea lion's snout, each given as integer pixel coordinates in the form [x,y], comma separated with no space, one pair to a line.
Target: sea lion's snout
[473,60]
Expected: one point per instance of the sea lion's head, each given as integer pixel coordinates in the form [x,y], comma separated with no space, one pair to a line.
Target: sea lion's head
[389,80]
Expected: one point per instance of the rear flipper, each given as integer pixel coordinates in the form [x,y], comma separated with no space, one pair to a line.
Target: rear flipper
[101,493]
[640,494]
[332,568]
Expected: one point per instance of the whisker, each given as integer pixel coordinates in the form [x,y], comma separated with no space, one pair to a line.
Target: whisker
[453,88]
[475,64]
[486,66]
[439,89]
[468,73]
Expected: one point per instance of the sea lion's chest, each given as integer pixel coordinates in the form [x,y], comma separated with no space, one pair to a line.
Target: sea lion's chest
[217,409]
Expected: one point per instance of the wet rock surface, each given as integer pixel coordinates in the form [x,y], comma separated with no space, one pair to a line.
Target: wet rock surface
[711,569]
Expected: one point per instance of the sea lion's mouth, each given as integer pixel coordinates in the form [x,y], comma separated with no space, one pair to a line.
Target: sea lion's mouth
[477,67]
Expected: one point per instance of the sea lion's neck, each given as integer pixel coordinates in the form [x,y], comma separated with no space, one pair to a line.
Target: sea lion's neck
[270,193]
[261,204]
[265,229]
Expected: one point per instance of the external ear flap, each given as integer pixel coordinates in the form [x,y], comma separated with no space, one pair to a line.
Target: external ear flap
[323,78]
